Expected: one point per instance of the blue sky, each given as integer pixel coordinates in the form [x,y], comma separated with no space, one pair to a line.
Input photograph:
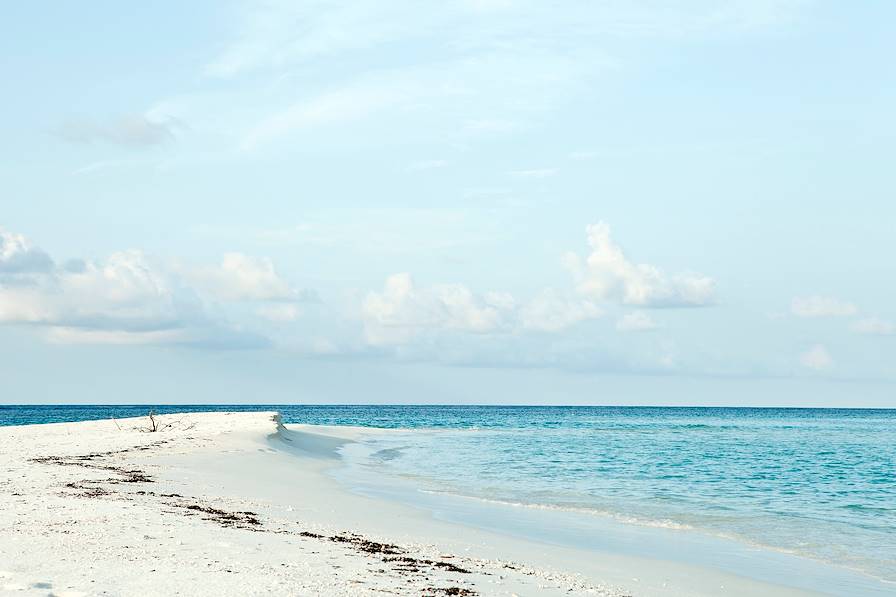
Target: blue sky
[635,202]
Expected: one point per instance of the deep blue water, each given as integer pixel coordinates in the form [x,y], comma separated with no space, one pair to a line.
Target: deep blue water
[816,482]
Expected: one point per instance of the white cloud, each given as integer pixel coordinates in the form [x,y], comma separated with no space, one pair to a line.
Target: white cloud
[551,311]
[874,326]
[239,278]
[277,34]
[280,312]
[817,357]
[71,335]
[274,35]
[636,321]
[290,67]
[130,298]
[353,102]
[134,130]
[607,274]
[125,291]
[403,312]
[18,256]
[821,306]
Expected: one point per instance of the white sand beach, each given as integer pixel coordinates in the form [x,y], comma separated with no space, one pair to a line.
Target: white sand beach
[237,504]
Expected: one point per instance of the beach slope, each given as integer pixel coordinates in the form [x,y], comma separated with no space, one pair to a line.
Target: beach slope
[237,504]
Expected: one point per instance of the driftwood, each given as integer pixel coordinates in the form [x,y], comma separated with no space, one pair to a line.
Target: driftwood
[156,425]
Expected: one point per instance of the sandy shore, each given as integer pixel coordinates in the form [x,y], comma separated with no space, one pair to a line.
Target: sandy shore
[236,504]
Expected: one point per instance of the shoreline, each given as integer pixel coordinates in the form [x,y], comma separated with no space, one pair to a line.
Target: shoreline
[237,503]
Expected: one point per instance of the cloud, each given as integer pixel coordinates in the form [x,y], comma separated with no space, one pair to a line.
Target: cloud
[352,102]
[278,34]
[18,256]
[72,335]
[240,278]
[275,35]
[551,311]
[817,358]
[636,321]
[131,298]
[125,292]
[292,69]
[283,312]
[134,130]
[402,312]
[821,306]
[874,326]
[607,274]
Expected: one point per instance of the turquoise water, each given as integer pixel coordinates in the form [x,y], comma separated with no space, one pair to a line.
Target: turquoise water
[819,483]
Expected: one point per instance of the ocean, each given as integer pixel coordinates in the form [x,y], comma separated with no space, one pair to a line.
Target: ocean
[816,483]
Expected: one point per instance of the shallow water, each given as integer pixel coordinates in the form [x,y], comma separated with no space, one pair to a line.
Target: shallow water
[819,483]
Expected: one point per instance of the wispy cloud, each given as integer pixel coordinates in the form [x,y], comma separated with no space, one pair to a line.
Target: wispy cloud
[277,34]
[636,321]
[553,311]
[135,130]
[352,102]
[821,306]
[874,326]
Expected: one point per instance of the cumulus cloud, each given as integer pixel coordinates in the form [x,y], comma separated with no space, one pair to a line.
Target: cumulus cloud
[280,312]
[821,306]
[874,326]
[126,292]
[18,256]
[403,311]
[133,130]
[817,358]
[239,277]
[608,274]
[551,311]
[130,298]
[636,321]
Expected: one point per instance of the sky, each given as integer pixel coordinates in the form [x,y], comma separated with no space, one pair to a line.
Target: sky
[469,201]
